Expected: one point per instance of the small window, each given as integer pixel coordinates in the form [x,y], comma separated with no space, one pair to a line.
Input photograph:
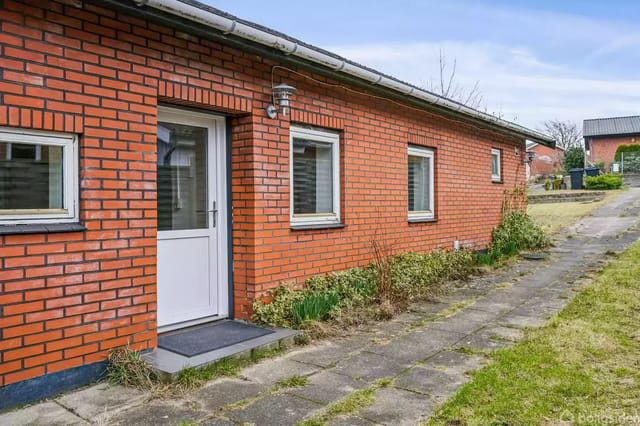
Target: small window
[38,177]
[315,171]
[420,178]
[496,168]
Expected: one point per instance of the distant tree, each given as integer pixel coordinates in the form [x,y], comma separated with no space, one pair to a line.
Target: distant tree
[565,133]
[447,86]
[573,158]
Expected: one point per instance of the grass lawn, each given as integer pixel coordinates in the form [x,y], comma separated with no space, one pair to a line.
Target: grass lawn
[583,367]
[553,217]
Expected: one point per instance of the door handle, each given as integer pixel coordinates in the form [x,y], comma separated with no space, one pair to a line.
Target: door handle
[214,210]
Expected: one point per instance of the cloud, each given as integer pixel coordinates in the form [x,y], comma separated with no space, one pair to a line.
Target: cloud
[515,82]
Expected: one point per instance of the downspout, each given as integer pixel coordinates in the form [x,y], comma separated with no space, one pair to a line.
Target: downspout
[288,47]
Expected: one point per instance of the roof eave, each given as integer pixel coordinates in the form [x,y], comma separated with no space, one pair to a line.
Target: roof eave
[183,15]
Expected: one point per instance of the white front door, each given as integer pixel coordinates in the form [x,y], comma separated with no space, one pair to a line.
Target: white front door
[192,245]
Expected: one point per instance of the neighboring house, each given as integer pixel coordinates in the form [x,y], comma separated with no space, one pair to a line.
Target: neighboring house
[546,161]
[147,189]
[603,136]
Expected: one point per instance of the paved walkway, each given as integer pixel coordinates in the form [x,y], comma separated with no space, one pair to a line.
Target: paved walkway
[419,352]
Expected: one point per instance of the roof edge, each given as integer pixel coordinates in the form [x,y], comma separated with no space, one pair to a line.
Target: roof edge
[230,25]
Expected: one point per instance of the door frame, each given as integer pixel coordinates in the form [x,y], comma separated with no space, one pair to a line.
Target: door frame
[219,193]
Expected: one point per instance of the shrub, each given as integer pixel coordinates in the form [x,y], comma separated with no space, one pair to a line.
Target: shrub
[420,275]
[516,232]
[411,276]
[573,158]
[318,299]
[603,182]
[314,307]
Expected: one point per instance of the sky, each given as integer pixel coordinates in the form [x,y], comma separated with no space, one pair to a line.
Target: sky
[533,60]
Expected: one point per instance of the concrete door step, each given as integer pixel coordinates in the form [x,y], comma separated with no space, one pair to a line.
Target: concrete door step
[168,364]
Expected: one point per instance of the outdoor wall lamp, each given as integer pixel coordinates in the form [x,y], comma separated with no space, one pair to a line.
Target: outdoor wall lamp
[529,157]
[282,97]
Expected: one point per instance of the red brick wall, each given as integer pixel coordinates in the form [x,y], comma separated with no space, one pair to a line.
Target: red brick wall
[68,298]
[604,149]
[547,160]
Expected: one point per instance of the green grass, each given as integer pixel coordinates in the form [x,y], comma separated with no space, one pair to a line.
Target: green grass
[554,217]
[191,378]
[127,367]
[581,368]
[292,382]
[351,403]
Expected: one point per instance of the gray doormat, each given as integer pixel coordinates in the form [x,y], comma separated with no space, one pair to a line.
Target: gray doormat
[206,338]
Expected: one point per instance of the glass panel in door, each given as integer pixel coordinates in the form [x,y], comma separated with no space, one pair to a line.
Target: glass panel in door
[182,177]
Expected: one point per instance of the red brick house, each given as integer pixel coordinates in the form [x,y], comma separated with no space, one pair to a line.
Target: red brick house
[145,187]
[546,161]
[603,136]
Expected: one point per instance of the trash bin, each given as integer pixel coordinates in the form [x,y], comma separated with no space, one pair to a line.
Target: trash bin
[592,171]
[576,178]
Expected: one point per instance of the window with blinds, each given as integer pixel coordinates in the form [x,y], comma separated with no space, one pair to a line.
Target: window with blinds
[314,176]
[420,183]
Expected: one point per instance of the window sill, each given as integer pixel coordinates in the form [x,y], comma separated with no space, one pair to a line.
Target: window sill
[317,226]
[41,228]
[497,181]
[422,220]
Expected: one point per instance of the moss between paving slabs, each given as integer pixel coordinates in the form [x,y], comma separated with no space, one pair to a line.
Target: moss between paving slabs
[191,378]
[355,401]
[582,368]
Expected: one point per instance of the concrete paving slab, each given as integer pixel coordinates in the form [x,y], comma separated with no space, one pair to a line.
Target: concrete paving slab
[270,371]
[166,412]
[429,308]
[431,381]
[215,396]
[369,367]
[98,399]
[507,333]
[489,305]
[398,407]
[456,362]
[275,410]
[416,345]
[482,342]
[521,321]
[44,414]
[325,354]
[350,421]
[326,387]
[457,324]
[216,421]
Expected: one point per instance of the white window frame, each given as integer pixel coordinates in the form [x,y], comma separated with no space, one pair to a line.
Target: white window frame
[496,177]
[319,136]
[69,143]
[428,153]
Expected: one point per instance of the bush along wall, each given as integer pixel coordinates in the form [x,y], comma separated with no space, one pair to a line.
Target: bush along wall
[412,276]
[603,182]
[516,232]
[393,281]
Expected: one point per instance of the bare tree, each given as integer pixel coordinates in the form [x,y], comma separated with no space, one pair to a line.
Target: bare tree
[447,86]
[565,133]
